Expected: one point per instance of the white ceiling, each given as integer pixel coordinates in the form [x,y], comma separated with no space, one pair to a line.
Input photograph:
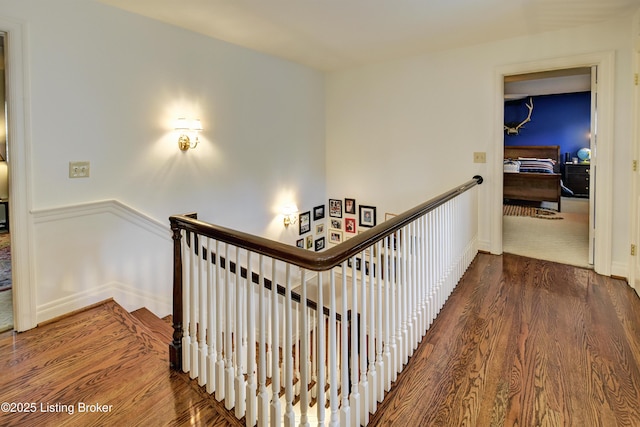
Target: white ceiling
[336,34]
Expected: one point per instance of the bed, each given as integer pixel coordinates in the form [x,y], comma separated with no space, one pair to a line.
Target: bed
[532,174]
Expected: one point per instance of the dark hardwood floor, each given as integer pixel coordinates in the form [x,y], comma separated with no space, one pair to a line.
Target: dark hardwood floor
[523,342]
[520,342]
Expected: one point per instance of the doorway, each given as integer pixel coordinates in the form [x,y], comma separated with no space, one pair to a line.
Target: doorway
[6,282]
[551,113]
[603,209]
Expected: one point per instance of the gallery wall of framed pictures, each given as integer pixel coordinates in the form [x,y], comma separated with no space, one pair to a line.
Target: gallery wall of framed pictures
[347,218]
[328,225]
[312,229]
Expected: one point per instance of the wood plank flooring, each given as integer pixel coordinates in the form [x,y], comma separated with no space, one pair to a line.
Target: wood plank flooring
[520,342]
[105,356]
[524,342]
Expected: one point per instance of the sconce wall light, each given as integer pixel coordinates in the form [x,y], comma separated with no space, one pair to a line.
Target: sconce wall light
[289,212]
[188,126]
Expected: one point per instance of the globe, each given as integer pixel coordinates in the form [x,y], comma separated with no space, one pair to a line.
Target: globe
[584,154]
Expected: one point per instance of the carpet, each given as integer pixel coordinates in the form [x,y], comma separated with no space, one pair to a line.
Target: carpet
[6,311]
[566,242]
[530,211]
[5,262]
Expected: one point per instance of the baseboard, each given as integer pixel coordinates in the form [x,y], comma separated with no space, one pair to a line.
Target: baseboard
[619,269]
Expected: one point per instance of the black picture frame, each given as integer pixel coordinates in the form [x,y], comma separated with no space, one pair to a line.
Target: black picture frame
[350,206]
[367,216]
[300,243]
[335,208]
[304,222]
[318,212]
[319,244]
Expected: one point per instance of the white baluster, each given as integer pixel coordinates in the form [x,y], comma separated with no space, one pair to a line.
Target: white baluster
[203,260]
[387,358]
[362,333]
[314,348]
[414,301]
[211,310]
[345,414]
[276,410]
[333,351]
[221,310]
[374,272]
[303,339]
[320,353]
[395,306]
[239,386]
[193,304]
[289,416]
[355,386]
[251,386]
[263,396]
[186,303]
[230,395]
[380,331]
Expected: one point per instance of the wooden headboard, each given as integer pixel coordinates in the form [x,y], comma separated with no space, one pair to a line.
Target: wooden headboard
[532,151]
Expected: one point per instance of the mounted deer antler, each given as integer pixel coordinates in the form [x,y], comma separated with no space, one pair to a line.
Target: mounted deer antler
[515,130]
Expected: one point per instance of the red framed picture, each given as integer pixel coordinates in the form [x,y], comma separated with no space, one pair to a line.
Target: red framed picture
[350,225]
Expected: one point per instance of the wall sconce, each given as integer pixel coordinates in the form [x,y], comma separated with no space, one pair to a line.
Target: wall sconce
[183,125]
[289,212]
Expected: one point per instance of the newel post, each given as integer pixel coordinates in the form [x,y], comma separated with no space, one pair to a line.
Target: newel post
[175,348]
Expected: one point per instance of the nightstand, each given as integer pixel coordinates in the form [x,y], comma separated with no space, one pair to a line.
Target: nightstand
[576,178]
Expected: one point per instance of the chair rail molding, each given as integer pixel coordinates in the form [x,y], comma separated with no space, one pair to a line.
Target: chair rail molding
[133,284]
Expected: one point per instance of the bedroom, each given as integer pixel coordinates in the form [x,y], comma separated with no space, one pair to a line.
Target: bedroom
[547,215]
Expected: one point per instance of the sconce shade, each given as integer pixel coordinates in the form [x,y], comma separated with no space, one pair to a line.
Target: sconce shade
[196,125]
[182,124]
[290,209]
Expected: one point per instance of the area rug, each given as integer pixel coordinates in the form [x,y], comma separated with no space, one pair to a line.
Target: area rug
[5,262]
[6,311]
[530,211]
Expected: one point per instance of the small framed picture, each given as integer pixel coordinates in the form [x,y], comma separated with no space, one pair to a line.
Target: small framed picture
[335,236]
[336,223]
[335,208]
[309,242]
[319,245]
[350,225]
[367,216]
[304,220]
[318,212]
[350,206]
[320,228]
[300,243]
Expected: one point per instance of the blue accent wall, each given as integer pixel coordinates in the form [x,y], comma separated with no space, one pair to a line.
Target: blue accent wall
[563,120]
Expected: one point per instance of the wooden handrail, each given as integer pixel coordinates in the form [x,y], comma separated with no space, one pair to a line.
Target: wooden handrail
[317,261]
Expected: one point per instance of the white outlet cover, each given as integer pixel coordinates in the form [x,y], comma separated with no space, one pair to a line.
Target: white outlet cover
[80,169]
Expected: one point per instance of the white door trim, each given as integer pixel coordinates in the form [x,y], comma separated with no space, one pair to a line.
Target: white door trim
[16,68]
[605,61]
[634,259]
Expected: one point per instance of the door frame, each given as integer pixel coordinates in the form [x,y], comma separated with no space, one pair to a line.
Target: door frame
[634,258]
[18,140]
[605,61]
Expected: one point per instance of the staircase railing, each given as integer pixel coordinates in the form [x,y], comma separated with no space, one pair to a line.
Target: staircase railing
[286,336]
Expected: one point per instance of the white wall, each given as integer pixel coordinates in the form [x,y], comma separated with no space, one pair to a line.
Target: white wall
[106,86]
[403,131]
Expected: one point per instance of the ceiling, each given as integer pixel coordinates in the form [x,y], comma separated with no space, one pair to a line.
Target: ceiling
[337,34]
